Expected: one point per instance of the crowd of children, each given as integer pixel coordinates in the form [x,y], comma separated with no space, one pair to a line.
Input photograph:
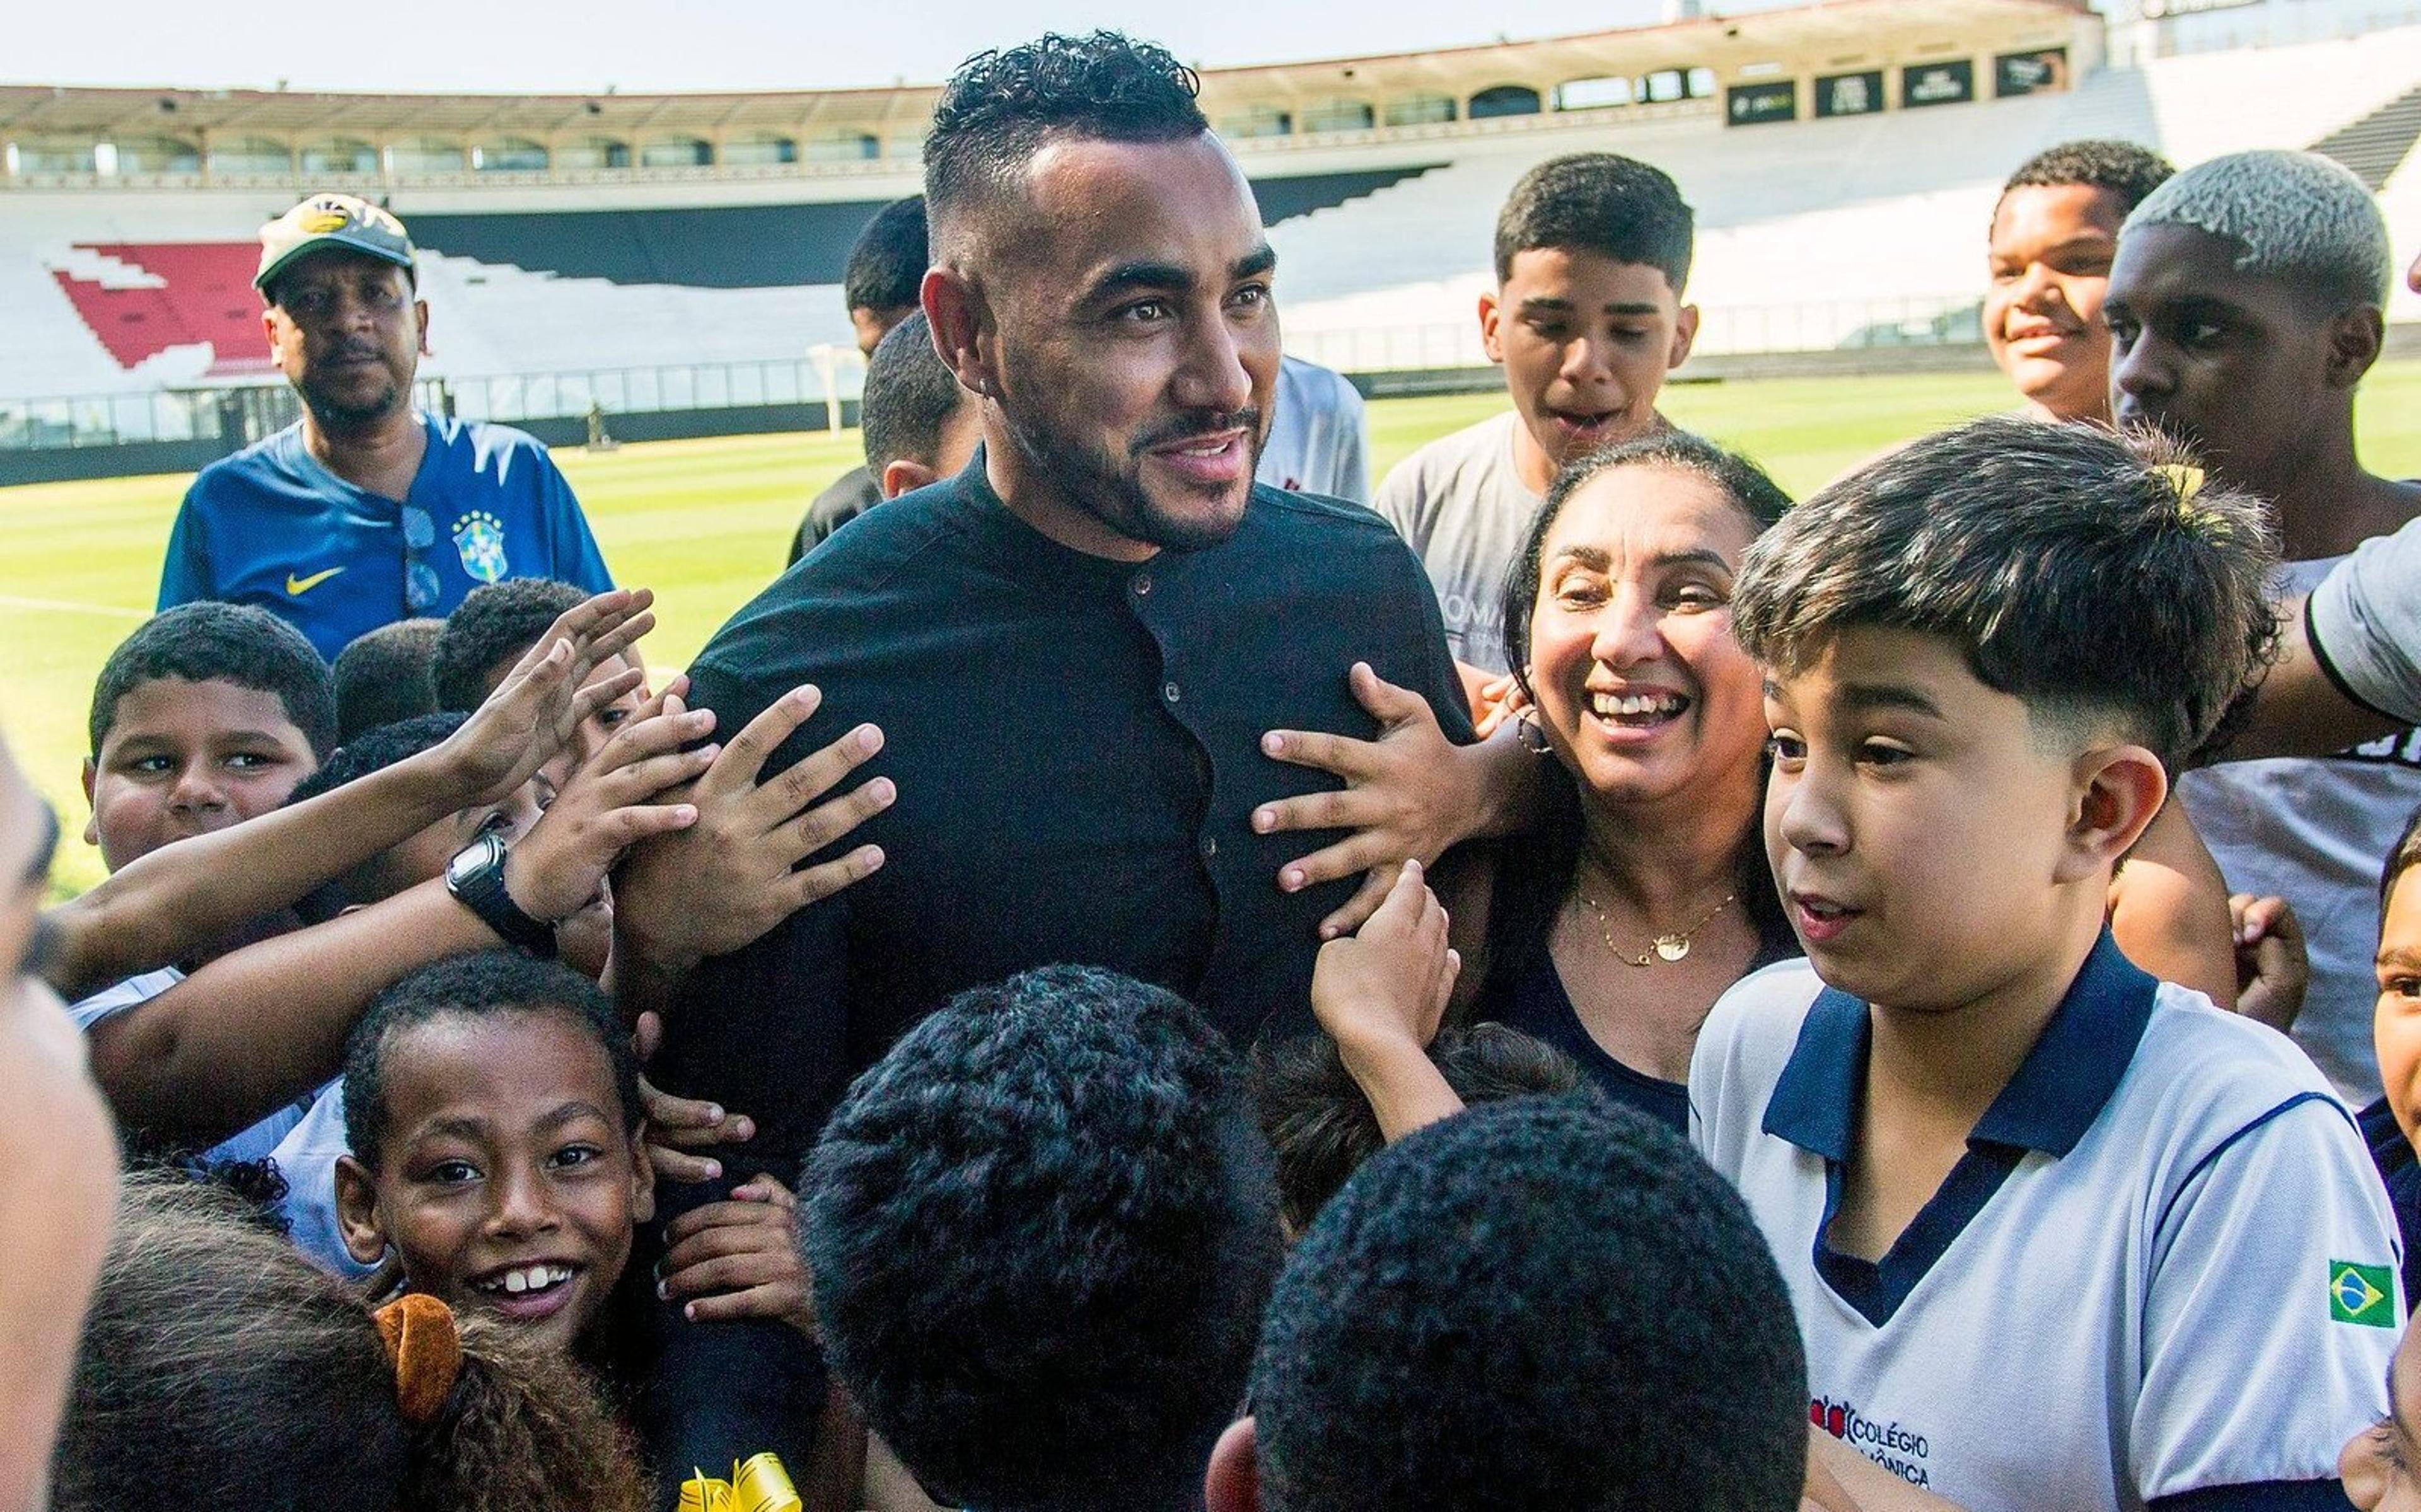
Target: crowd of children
[1881,1090]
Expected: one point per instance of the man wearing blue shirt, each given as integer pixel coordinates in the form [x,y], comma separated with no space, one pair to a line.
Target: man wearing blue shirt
[366,510]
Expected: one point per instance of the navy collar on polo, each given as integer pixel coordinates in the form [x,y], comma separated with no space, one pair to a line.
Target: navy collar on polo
[2059,1089]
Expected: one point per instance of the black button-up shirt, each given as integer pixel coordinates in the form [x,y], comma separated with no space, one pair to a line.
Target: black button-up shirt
[1076,744]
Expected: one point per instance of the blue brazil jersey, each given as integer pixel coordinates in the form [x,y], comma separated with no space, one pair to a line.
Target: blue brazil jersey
[271,526]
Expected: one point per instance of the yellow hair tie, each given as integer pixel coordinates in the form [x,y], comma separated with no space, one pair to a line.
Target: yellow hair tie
[2185,480]
[421,1340]
[760,1485]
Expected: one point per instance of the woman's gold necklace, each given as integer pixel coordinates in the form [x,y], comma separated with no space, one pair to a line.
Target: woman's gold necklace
[1666,947]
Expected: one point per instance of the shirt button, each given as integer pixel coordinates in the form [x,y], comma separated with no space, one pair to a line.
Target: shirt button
[1210,847]
[1142,583]
[1168,690]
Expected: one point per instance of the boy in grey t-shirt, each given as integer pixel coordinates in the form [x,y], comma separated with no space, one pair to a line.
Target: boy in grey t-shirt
[1592,255]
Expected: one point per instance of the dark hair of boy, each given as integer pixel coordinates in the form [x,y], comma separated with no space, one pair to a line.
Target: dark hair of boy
[1617,207]
[1322,1129]
[485,985]
[910,395]
[373,749]
[1545,1303]
[887,262]
[1002,105]
[1041,1231]
[2101,579]
[2121,170]
[490,629]
[212,642]
[221,1368]
[2403,858]
[386,675]
[377,749]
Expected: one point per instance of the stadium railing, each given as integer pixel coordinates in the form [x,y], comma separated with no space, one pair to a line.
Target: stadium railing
[815,390]
[237,413]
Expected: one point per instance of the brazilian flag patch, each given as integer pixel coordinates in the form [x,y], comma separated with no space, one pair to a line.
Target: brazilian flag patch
[2362,1294]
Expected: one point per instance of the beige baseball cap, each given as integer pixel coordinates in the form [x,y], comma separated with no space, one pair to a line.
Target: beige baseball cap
[325,221]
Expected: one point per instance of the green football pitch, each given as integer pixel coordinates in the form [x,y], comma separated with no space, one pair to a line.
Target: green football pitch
[706,523]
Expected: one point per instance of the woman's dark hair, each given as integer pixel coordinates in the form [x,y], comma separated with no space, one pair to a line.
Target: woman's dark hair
[1528,896]
[1760,499]
[221,1368]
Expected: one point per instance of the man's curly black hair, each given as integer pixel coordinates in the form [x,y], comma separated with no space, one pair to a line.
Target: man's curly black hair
[1041,1231]
[1002,105]
[490,630]
[1543,1302]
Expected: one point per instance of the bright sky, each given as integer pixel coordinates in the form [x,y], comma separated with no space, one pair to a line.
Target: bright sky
[545,46]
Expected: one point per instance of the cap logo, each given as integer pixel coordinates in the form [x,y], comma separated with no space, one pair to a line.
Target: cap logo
[323,221]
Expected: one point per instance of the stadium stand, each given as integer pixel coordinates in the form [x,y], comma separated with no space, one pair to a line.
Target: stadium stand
[141,301]
[1812,240]
[1843,160]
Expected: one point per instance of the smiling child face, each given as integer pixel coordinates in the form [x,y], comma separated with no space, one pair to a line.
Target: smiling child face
[508,1180]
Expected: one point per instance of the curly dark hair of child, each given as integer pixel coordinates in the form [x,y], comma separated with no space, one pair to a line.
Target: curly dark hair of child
[220,1368]
[1509,1309]
[1323,1128]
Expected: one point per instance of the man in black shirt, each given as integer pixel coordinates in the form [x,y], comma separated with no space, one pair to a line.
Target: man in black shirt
[1073,650]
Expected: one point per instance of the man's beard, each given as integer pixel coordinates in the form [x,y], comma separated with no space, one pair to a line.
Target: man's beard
[1090,478]
[338,414]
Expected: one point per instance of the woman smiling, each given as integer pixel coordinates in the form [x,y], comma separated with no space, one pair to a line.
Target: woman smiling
[1614,927]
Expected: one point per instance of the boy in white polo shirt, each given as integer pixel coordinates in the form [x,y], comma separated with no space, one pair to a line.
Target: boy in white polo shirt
[2059,1235]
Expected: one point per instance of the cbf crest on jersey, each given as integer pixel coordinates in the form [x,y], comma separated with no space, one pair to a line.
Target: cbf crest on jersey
[480,541]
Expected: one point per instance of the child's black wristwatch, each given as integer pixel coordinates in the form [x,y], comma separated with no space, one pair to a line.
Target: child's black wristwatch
[476,877]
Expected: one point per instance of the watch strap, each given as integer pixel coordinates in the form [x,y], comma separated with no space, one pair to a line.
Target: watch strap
[480,886]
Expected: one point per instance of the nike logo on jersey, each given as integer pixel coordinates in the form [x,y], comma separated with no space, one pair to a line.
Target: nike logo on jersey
[296,587]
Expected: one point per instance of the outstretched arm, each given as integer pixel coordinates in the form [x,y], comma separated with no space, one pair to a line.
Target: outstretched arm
[2304,706]
[1381,994]
[1411,794]
[184,897]
[260,1026]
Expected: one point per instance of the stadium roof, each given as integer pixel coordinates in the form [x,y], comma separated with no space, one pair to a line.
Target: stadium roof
[1836,32]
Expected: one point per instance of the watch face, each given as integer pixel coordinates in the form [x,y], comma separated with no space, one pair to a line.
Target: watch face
[468,861]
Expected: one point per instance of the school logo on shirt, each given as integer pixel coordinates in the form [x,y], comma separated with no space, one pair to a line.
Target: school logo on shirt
[1896,1447]
[480,541]
[2362,1294]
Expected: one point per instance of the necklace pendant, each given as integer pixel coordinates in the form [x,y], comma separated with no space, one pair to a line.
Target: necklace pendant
[1672,946]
